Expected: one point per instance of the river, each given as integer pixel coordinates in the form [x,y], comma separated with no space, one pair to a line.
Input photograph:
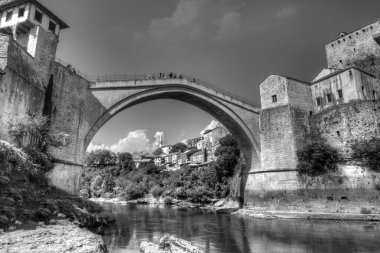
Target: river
[223,233]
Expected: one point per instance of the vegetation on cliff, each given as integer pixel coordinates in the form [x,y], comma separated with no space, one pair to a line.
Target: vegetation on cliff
[368,151]
[197,185]
[317,157]
[24,192]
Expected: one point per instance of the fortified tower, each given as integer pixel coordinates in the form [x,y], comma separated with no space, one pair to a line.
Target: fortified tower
[29,35]
[341,104]
[359,48]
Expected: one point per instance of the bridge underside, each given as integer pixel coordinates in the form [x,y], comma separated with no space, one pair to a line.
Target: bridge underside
[95,105]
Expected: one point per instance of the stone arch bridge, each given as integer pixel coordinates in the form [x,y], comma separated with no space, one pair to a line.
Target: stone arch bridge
[82,109]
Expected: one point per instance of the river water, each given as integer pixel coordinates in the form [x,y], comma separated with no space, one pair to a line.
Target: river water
[223,233]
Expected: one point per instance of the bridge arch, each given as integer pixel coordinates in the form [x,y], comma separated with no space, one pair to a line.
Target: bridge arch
[240,120]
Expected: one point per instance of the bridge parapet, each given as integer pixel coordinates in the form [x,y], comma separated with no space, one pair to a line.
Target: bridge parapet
[119,81]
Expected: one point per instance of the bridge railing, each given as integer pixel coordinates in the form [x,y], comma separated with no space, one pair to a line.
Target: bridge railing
[165,76]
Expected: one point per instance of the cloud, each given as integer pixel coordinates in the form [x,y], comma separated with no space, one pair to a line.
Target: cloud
[229,25]
[286,12]
[197,19]
[134,141]
[213,124]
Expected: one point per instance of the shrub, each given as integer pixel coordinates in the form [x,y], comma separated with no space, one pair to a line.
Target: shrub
[317,158]
[365,210]
[369,152]
[134,191]
[151,168]
[36,125]
[100,158]
[38,158]
[157,191]
[199,194]
[158,152]
[178,147]
[228,154]
[126,162]
[12,158]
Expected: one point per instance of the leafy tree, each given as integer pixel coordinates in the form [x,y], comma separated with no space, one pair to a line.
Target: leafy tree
[178,147]
[317,158]
[151,168]
[158,152]
[100,158]
[228,154]
[369,152]
[126,161]
[37,126]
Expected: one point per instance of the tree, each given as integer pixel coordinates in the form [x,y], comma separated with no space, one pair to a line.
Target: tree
[178,147]
[158,152]
[126,161]
[228,154]
[369,152]
[101,157]
[38,127]
[317,158]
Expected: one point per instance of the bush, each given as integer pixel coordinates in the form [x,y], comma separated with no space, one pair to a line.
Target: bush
[157,191]
[228,154]
[126,162]
[317,158]
[178,147]
[100,158]
[37,126]
[199,195]
[151,168]
[38,158]
[12,158]
[134,191]
[369,152]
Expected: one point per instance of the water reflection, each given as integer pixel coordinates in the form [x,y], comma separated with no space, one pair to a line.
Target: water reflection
[224,233]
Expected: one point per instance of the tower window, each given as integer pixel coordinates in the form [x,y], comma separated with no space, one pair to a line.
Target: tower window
[329,97]
[274,98]
[340,93]
[21,12]
[52,26]
[341,61]
[9,16]
[38,16]
[319,101]
[338,133]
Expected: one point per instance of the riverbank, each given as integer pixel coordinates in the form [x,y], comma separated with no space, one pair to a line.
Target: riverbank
[219,206]
[226,206]
[260,213]
[54,236]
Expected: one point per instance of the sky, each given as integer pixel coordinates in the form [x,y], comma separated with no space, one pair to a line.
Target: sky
[233,44]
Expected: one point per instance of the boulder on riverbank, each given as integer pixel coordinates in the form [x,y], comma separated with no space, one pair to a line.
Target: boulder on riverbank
[169,244]
[58,236]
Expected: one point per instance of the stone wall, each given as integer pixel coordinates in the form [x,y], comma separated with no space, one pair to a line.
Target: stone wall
[354,46]
[277,139]
[21,85]
[73,107]
[350,187]
[345,123]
